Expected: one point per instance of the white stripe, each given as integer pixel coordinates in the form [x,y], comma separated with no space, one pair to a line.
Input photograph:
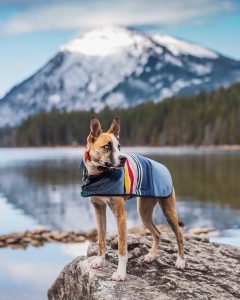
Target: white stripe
[140,175]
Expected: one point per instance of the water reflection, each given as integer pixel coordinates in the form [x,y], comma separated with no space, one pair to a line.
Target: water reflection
[213,178]
[48,190]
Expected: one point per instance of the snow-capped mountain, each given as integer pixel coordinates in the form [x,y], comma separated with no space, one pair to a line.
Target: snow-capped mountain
[117,67]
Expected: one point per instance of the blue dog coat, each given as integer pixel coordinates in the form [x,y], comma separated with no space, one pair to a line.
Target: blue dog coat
[140,176]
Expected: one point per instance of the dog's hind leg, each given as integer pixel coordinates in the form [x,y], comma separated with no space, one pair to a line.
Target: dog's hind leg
[145,211]
[100,212]
[169,209]
[117,205]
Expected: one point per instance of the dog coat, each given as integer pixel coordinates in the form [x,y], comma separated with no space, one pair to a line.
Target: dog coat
[140,176]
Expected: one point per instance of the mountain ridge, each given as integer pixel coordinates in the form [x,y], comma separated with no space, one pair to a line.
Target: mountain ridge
[117,67]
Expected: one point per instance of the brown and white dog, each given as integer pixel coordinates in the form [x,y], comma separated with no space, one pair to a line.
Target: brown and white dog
[102,152]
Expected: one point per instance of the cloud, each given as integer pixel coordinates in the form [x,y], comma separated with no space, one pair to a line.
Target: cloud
[64,15]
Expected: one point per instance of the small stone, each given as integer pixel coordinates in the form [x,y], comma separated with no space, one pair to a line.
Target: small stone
[26,239]
[92,234]
[17,246]
[80,239]
[2,244]
[36,243]
[46,236]
[54,234]
[3,237]
[40,229]
[11,240]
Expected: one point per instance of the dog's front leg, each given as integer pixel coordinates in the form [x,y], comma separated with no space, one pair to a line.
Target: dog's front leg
[100,212]
[117,205]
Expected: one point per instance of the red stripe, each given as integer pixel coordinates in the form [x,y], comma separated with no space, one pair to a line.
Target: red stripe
[130,172]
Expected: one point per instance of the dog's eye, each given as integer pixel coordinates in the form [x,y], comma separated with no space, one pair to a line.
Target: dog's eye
[107,147]
[119,147]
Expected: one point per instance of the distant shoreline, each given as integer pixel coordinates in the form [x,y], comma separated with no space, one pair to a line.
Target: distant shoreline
[148,149]
[230,147]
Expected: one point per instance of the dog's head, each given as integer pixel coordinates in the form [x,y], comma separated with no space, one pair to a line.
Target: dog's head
[103,148]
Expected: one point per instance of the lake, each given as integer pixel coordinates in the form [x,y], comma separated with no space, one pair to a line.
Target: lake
[42,187]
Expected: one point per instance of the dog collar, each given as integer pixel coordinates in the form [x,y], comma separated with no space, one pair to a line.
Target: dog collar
[88,158]
[87,155]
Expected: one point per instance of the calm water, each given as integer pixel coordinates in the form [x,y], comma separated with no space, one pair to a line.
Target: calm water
[42,187]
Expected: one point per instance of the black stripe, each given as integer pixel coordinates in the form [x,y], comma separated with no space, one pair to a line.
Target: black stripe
[141,172]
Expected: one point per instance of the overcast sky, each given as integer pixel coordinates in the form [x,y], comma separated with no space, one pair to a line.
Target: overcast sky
[31,31]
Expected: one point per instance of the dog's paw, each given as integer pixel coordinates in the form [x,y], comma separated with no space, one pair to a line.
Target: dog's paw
[118,276]
[97,262]
[180,263]
[149,257]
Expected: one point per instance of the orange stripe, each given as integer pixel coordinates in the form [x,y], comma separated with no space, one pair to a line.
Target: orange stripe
[126,180]
[129,178]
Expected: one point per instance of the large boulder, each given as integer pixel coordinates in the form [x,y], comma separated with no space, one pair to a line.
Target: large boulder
[212,272]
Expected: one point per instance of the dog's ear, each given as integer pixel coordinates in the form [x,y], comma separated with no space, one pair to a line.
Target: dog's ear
[95,128]
[115,127]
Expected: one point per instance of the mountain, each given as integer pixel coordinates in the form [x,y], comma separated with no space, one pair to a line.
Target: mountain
[117,67]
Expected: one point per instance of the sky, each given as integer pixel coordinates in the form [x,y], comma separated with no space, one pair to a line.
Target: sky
[31,31]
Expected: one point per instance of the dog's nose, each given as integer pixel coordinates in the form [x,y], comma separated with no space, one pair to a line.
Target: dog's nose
[122,159]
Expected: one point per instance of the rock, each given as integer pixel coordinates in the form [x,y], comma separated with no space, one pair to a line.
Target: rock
[36,243]
[3,237]
[2,244]
[92,234]
[17,246]
[80,239]
[12,240]
[26,239]
[40,229]
[212,272]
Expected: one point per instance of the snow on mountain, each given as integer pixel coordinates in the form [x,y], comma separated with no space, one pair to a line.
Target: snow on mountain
[179,47]
[118,68]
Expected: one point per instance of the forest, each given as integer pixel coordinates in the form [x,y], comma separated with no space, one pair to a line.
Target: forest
[204,119]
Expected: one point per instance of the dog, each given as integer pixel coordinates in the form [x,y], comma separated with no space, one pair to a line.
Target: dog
[102,159]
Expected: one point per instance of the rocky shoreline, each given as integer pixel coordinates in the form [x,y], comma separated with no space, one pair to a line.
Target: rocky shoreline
[40,235]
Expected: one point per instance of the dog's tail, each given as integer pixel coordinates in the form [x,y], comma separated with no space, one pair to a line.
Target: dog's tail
[180,223]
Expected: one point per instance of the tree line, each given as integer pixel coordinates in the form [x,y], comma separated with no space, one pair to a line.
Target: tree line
[204,119]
